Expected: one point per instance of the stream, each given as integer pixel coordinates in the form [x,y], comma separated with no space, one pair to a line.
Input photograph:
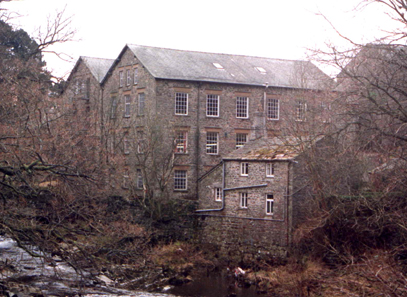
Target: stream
[22,275]
[49,276]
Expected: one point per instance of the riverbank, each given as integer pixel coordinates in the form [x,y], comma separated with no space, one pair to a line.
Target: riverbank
[184,269]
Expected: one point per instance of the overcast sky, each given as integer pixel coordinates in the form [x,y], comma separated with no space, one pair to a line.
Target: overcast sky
[267,28]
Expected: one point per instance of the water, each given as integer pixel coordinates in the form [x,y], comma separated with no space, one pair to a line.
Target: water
[216,285]
[51,276]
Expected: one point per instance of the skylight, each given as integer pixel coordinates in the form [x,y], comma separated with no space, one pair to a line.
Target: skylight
[218,66]
[261,70]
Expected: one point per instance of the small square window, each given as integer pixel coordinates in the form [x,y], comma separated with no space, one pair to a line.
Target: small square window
[244,169]
[261,70]
[243,200]
[218,66]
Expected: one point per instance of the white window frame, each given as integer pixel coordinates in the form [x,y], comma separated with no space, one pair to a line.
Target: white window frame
[269,204]
[212,143]
[218,194]
[180,180]
[181,103]
[141,104]
[242,107]
[212,105]
[273,109]
[181,142]
[121,79]
[300,110]
[239,139]
[244,168]
[127,106]
[135,78]
[139,176]
[270,169]
[126,180]
[243,197]
[128,77]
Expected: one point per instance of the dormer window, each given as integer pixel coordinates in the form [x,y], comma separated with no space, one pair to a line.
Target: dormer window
[261,70]
[218,66]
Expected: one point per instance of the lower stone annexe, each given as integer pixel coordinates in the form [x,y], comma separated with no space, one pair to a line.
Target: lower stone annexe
[233,233]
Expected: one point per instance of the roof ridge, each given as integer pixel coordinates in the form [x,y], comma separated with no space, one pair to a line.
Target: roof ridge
[225,54]
[95,58]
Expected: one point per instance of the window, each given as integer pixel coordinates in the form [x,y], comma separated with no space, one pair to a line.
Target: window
[243,200]
[113,108]
[218,194]
[218,66]
[180,180]
[181,142]
[140,142]
[141,103]
[300,111]
[126,180]
[127,102]
[242,107]
[269,204]
[139,177]
[269,169]
[181,103]
[128,77]
[212,105]
[121,79]
[273,109]
[241,139]
[325,112]
[135,76]
[77,86]
[126,145]
[212,143]
[244,169]
[82,87]
[261,70]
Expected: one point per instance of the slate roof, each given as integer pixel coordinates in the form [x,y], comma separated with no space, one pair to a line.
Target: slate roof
[98,66]
[165,63]
[275,148]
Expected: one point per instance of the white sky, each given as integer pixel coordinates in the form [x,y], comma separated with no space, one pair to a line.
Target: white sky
[267,28]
